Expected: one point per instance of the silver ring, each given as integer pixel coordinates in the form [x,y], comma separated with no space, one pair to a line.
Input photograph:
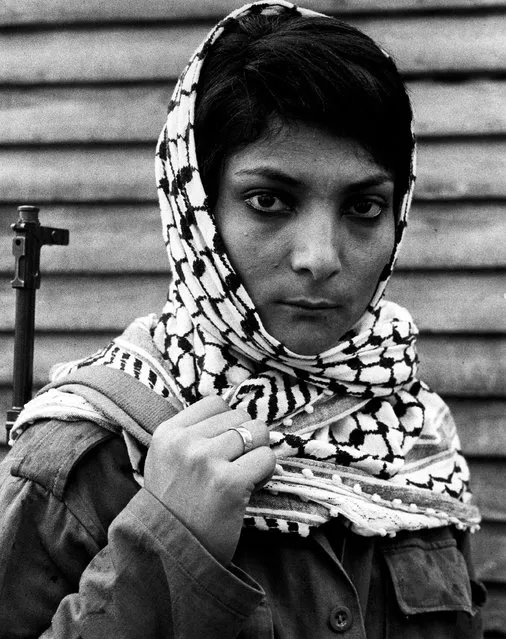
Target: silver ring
[246,436]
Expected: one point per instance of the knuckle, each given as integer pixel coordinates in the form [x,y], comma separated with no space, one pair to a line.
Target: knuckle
[222,480]
[195,454]
[166,430]
[269,457]
[259,430]
[178,440]
[263,435]
[242,415]
[215,403]
[182,450]
[160,436]
[260,425]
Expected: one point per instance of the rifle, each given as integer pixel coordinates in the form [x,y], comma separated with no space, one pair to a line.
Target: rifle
[30,237]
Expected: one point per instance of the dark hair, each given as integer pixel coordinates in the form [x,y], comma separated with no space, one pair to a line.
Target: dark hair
[316,70]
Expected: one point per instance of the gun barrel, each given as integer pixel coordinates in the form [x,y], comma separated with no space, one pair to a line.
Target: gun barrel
[22,379]
[30,237]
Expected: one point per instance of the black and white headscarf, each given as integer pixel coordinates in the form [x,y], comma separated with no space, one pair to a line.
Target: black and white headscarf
[211,334]
[349,425]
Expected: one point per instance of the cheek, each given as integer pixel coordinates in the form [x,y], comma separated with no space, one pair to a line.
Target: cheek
[254,256]
[253,249]
[368,264]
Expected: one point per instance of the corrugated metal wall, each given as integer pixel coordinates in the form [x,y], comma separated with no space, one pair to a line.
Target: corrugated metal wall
[83,89]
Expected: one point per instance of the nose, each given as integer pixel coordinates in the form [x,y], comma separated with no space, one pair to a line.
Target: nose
[315,244]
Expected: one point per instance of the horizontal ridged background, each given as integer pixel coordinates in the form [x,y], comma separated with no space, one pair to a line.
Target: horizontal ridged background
[83,92]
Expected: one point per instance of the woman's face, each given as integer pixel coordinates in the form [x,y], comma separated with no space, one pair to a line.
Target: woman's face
[307,220]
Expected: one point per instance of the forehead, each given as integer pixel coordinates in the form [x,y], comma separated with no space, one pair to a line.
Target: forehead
[307,154]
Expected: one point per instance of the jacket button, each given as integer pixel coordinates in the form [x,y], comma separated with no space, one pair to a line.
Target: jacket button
[340,618]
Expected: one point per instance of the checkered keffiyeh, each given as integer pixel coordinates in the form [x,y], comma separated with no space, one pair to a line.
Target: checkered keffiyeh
[355,432]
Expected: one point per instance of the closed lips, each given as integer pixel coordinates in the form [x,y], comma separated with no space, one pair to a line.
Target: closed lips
[312,304]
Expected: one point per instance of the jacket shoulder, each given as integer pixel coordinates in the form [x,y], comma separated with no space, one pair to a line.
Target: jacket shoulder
[48,452]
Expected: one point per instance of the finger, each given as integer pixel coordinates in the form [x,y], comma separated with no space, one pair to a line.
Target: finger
[219,424]
[231,445]
[255,467]
[198,412]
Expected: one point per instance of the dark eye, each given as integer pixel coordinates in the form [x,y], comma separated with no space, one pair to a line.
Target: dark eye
[365,208]
[267,203]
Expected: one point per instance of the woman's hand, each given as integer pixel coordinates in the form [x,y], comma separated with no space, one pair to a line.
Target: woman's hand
[196,467]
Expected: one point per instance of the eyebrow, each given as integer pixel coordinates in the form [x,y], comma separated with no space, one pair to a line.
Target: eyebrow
[273,174]
[376,179]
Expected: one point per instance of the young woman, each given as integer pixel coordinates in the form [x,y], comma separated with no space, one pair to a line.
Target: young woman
[260,460]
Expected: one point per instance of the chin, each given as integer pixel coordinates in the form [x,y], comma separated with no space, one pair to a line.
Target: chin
[310,347]
[307,338]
